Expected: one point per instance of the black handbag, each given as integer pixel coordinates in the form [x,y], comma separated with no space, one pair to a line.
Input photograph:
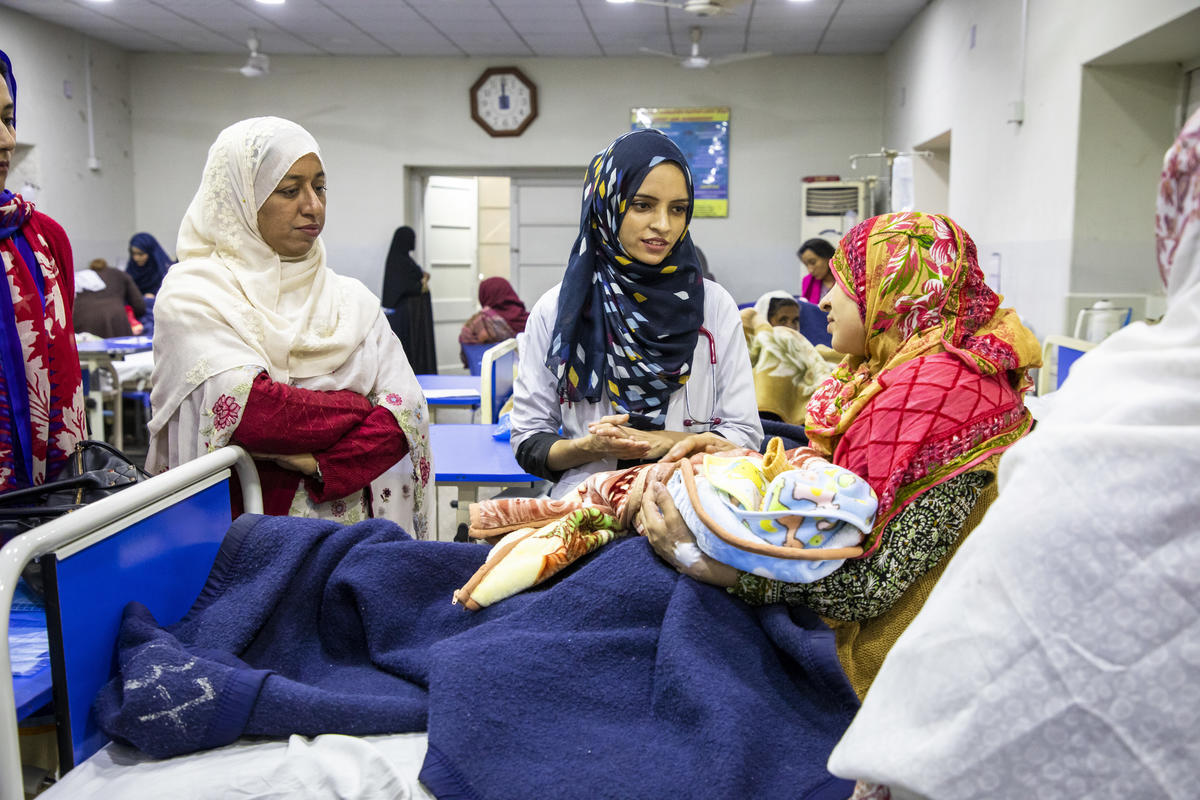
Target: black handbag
[94,471]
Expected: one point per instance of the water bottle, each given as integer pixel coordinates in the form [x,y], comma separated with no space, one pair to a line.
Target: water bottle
[1098,321]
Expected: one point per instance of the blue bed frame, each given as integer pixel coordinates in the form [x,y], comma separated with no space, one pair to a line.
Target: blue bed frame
[154,543]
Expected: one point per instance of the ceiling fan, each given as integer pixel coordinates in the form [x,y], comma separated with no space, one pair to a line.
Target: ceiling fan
[696,61]
[701,8]
[257,64]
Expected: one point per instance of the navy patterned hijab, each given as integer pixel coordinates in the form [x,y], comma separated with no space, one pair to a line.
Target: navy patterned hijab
[624,328]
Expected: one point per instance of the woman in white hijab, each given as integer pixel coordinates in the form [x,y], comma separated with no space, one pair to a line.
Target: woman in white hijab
[1059,654]
[259,343]
[778,308]
[787,367]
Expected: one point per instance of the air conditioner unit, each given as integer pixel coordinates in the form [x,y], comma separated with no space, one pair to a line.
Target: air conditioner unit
[830,208]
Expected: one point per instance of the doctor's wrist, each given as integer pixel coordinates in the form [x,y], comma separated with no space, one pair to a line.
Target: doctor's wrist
[567,453]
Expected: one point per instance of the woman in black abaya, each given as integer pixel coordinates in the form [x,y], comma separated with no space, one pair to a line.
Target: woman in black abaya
[406,290]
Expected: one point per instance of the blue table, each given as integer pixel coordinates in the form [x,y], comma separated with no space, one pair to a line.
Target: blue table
[117,345]
[98,355]
[449,390]
[467,457]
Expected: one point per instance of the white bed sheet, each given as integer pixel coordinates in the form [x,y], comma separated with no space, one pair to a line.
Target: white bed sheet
[328,766]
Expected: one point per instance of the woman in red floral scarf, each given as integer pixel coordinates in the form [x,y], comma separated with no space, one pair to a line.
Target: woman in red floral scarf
[927,398]
[41,394]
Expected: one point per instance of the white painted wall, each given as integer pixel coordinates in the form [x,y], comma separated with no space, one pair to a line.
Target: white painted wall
[1127,121]
[1014,187]
[95,207]
[374,117]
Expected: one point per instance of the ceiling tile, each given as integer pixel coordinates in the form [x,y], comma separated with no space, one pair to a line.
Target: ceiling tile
[517,28]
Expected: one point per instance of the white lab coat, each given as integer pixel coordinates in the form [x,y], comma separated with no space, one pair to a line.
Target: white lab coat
[724,390]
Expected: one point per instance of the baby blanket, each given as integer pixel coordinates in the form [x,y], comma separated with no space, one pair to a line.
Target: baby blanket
[750,511]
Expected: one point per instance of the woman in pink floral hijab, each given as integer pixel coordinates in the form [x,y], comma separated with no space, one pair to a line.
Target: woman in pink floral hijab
[927,398]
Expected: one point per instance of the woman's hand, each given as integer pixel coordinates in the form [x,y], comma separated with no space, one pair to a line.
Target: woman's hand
[304,463]
[608,439]
[653,444]
[608,442]
[697,443]
[669,535]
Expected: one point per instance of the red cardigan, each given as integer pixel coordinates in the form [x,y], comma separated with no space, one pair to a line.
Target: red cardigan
[353,441]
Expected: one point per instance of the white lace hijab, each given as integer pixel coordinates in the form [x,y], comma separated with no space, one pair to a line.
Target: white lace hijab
[231,301]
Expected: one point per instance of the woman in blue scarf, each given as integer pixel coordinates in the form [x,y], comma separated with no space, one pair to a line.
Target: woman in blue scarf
[148,263]
[634,352]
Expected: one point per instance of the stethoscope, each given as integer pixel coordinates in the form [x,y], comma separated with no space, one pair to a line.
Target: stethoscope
[690,419]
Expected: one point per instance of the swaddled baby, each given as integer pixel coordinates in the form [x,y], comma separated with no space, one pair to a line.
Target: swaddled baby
[794,518]
[757,515]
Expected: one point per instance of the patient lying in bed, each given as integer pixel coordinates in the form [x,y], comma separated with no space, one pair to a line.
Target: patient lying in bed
[789,516]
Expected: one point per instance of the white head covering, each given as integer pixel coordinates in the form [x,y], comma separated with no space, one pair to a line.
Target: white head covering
[1059,654]
[231,300]
[763,304]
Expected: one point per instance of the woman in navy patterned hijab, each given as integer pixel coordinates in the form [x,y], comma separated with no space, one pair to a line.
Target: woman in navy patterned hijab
[627,328]
[633,357]
[148,263]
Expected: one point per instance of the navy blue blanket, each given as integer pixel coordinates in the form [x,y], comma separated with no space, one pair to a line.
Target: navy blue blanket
[618,678]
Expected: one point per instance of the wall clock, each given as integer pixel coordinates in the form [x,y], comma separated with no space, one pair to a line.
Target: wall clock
[504,101]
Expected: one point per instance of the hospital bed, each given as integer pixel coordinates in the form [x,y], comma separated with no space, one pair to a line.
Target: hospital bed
[154,542]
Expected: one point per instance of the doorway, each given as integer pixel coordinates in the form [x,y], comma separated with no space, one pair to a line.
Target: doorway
[517,224]
[449,245]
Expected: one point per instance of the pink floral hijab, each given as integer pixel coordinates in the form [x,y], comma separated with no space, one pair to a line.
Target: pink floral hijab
[919,289]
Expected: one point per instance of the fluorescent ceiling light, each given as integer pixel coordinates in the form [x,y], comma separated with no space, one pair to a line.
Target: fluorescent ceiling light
[272,2]
[622,1]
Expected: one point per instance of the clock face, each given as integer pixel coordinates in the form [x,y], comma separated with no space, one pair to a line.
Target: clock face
[504,101]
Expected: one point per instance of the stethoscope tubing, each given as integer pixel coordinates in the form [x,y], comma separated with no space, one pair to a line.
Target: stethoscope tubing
[690,419]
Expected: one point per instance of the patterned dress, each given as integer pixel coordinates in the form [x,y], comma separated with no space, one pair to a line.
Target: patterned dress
[41,388]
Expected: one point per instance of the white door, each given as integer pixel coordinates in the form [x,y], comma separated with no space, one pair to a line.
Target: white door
[450,241]
[545,222]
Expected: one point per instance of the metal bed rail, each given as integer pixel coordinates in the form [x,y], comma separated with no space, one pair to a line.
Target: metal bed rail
[70,527]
